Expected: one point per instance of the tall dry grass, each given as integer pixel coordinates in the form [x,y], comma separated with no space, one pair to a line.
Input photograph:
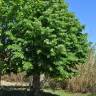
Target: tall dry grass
[86,80]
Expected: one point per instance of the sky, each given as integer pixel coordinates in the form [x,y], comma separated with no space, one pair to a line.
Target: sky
[85,10]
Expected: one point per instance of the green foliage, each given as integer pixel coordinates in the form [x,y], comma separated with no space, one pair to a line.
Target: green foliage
[41,36]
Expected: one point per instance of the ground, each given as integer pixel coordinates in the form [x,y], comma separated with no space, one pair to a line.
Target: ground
[45,92]
[10,89]
[66,93]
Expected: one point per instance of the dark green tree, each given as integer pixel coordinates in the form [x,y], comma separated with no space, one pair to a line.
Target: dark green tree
[41,37]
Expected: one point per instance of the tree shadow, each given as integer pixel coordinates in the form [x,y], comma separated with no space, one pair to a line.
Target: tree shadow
[10,91]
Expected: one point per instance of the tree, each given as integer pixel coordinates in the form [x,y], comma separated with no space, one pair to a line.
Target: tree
[41,37]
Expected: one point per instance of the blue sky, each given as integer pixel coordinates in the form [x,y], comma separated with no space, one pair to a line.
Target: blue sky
[85,10]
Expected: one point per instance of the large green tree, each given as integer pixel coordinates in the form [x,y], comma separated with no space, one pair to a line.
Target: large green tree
[41,37]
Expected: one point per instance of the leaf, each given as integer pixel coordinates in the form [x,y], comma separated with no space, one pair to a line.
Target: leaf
[27,65]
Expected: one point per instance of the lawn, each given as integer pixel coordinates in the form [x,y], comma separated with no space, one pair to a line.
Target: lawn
[64,93]
[45,92]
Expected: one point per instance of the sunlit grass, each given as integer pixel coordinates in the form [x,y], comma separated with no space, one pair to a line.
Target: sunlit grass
[65,93]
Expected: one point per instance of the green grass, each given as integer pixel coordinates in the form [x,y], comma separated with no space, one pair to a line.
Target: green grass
[45,92]
[64,93]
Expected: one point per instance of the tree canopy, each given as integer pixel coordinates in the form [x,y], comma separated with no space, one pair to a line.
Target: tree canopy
[41,36]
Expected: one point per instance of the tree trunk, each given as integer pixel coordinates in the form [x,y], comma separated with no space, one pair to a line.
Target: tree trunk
[0,79]
[36,84]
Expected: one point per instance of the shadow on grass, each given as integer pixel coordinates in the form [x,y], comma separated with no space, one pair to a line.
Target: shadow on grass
[9,91]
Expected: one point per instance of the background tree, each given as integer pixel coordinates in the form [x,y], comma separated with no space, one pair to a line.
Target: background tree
[41,37]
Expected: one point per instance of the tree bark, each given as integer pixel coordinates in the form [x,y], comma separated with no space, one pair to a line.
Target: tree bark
[36,84]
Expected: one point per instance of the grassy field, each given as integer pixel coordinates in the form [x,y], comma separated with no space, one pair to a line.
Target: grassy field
[45,92]
[64,93]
